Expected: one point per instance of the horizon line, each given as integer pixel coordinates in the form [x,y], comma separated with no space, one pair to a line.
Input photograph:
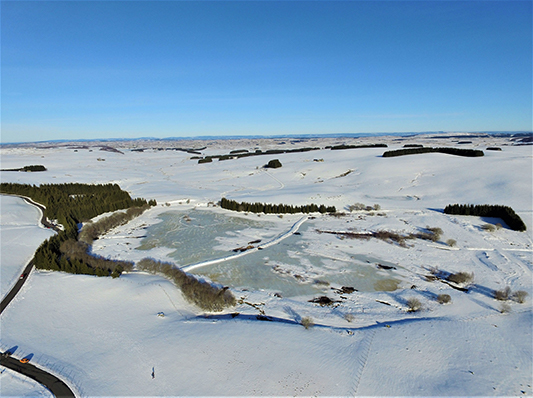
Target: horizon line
[273,136]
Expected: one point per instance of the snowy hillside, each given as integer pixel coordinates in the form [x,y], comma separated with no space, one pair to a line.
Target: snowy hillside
[20,234]
[104,336]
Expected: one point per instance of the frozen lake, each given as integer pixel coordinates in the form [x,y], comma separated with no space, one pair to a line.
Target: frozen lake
[290,268]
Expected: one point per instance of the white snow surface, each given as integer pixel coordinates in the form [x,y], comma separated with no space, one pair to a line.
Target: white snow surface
[13,384]
[103,335]
[21,234]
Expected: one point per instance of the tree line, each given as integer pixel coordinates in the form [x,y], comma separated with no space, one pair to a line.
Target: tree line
[258,152]
[33,167]
[450,151]
[242,153]
[78,251]
[276,209]
[506,213]
[337,147]
[71,204]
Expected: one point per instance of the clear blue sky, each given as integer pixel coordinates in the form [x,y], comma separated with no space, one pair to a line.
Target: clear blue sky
[91,69]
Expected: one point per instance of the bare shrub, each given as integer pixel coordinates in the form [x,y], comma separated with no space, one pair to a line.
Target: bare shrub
[434,270]
[506,294]
[503,294]
[505,308]
[323,300]
[377,207]
[451,242]
[432,234]
[356,206]
[436,233]
[390,236]
[461,278]
[488,227]
[444,298]
[413,304]
[307,322]
[520,296]
[349,317]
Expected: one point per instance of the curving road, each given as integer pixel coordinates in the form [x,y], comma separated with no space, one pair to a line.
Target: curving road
[16,288]
[51,382]
[55,385]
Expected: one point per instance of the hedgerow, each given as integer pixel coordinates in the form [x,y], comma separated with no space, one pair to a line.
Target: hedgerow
[92,230]
[200,293]
[432,234]
[240,154]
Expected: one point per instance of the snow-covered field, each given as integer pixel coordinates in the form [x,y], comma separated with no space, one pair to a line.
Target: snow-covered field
[20,234]
[104,336]
[13,384]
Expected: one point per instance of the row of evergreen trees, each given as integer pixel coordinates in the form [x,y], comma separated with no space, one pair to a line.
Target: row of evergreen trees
[276,209]
[337,147]
[506,213]
[33,167]
[78,254]
[72,204]
[450,151]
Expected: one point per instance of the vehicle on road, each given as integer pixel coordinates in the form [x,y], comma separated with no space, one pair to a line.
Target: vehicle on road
[24,360]
[24,275]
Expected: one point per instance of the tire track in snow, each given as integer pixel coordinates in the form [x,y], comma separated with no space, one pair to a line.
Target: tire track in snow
[281,185]
[516,268]
[484,259]
[493,314]
[172,302]
[366,344]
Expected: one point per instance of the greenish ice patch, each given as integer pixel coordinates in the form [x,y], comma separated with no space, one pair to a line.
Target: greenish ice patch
[193,234]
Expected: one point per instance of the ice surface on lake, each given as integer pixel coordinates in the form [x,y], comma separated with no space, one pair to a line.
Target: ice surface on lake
[291,267]
[195,234]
